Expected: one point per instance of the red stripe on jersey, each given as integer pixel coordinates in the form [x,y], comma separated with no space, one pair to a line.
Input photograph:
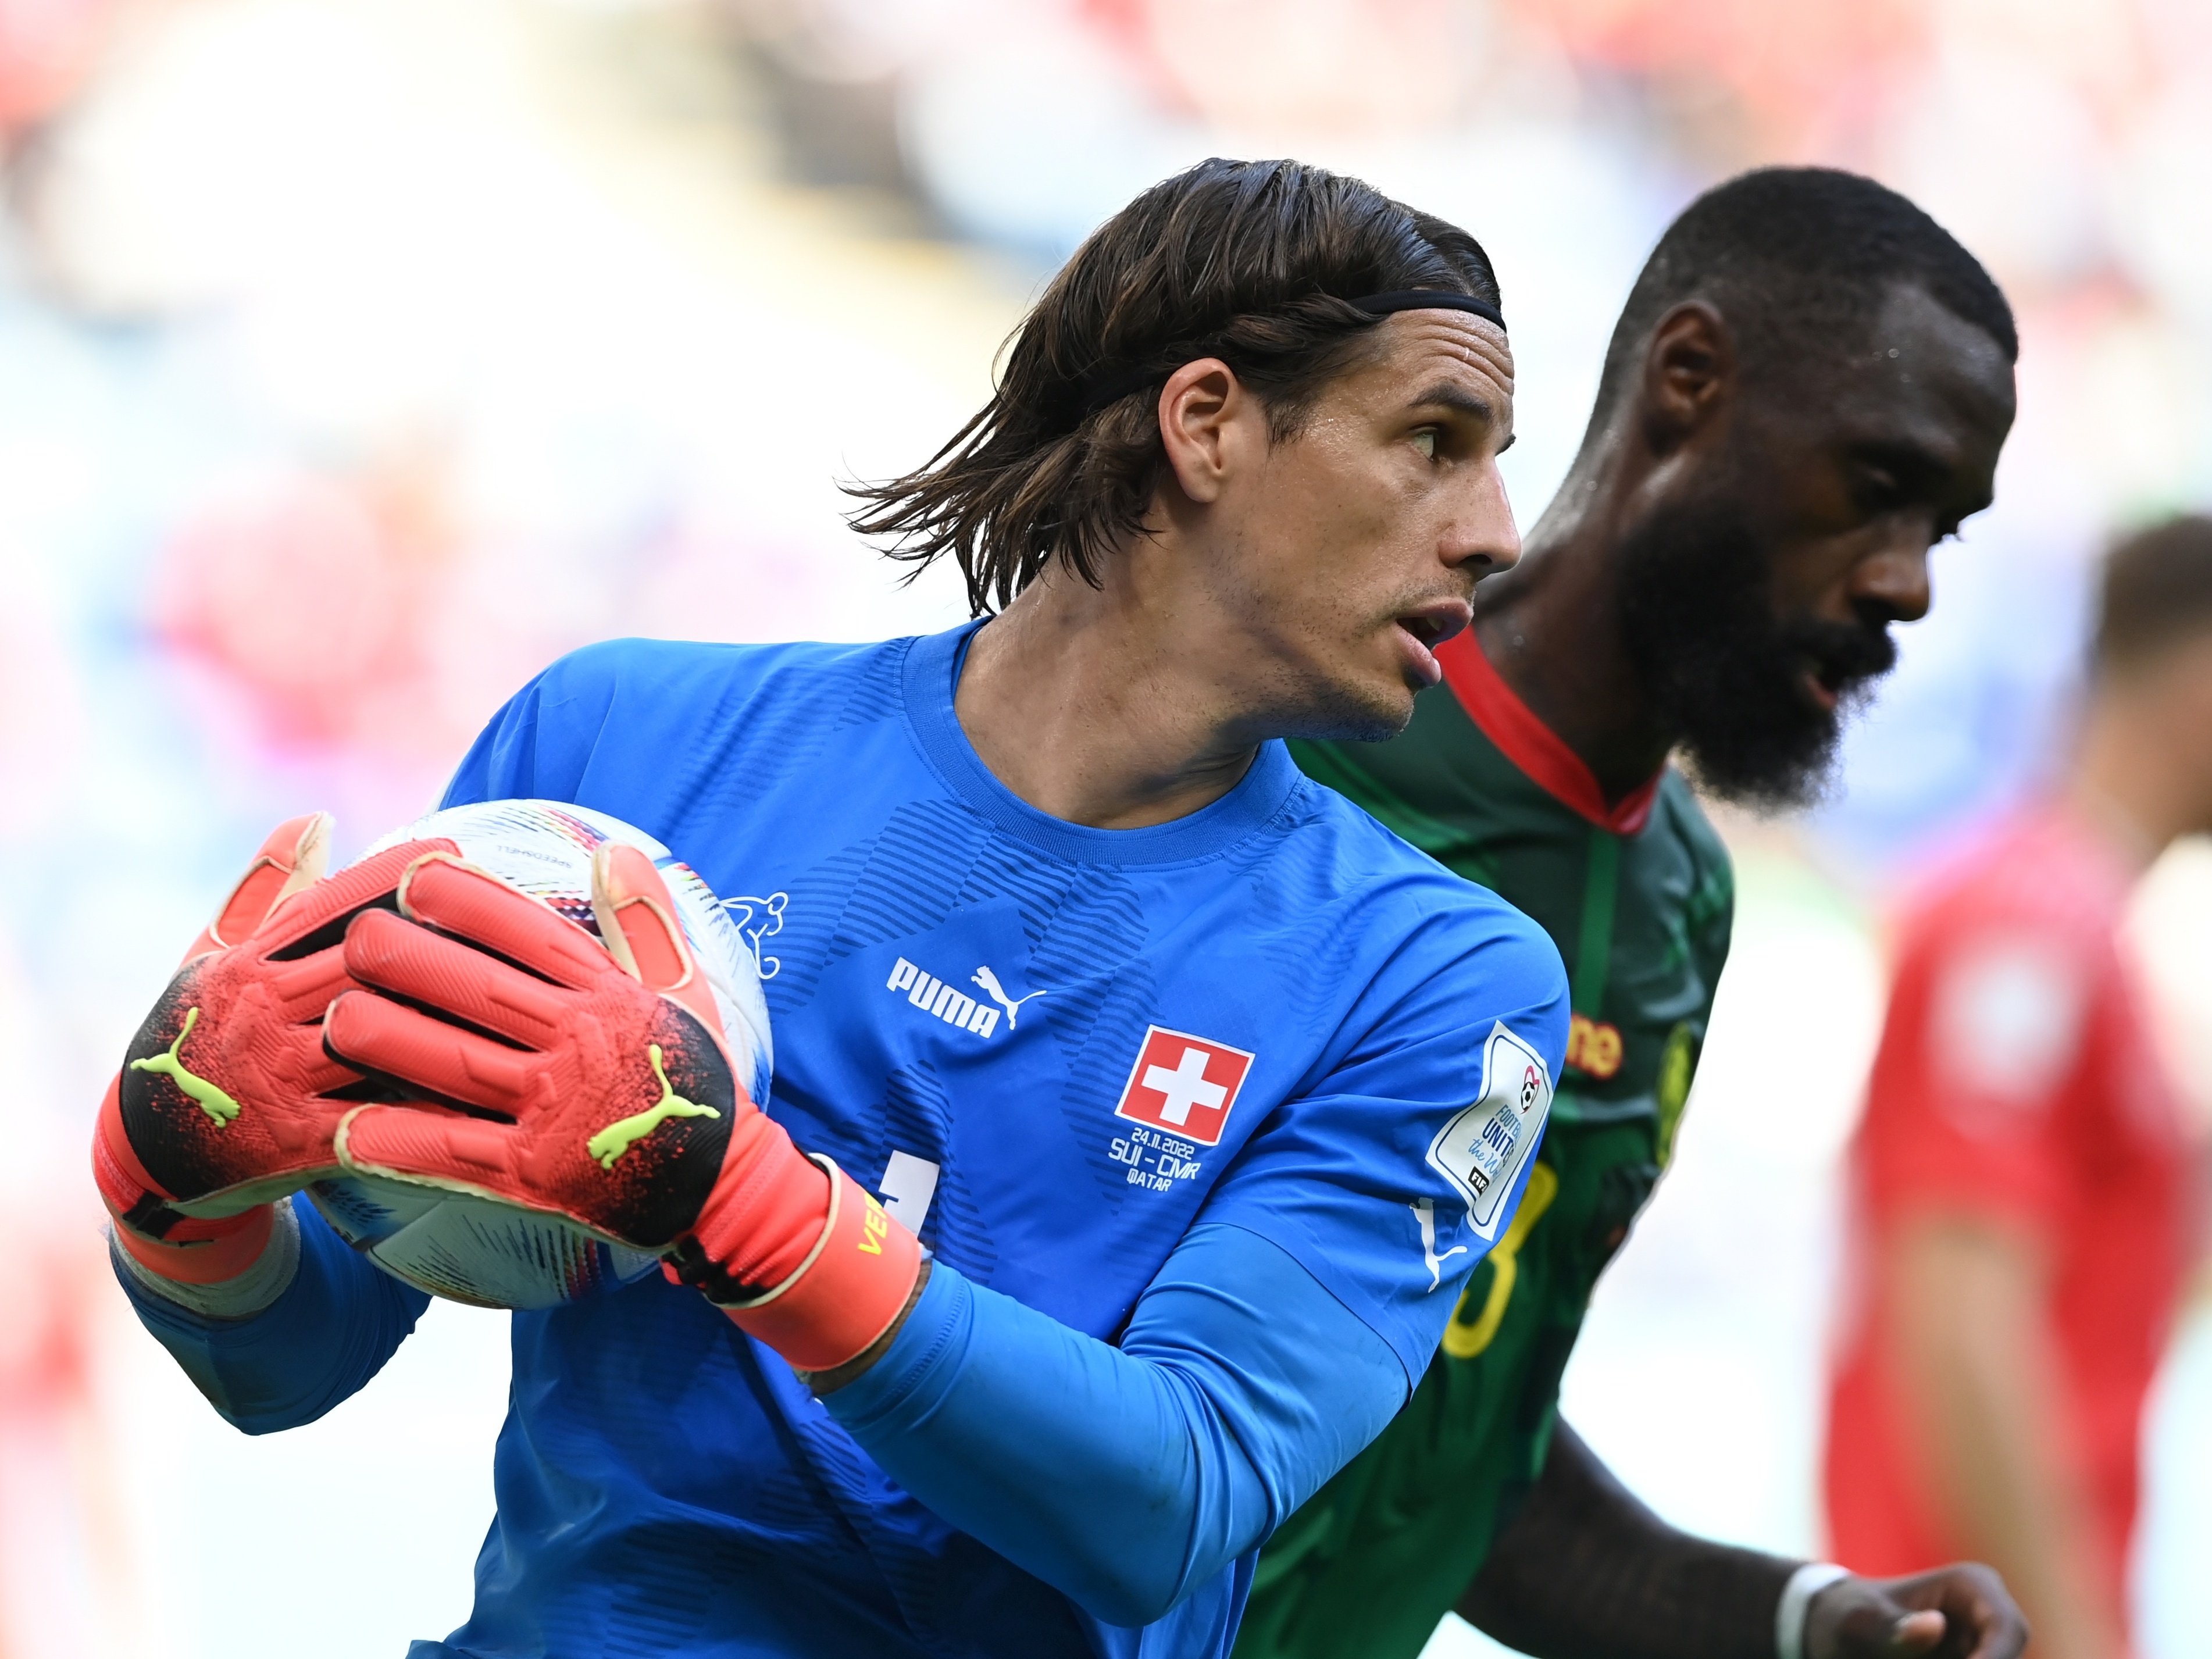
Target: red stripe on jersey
[1534,746]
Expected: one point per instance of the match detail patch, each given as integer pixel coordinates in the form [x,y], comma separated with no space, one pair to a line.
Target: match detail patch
[1184,1084]
[1481,1149]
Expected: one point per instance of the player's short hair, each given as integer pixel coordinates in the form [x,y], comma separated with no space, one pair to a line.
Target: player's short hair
[1799,260]
[1253,262]
[2155,593]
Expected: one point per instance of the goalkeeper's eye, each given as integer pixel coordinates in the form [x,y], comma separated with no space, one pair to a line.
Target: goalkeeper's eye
[1426,441]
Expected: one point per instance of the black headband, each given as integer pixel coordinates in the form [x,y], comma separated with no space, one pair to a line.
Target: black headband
[1114,387]
[1429,299]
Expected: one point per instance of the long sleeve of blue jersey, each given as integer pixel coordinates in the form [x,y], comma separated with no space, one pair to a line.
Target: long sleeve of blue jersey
[317,1344]
[1126,1476]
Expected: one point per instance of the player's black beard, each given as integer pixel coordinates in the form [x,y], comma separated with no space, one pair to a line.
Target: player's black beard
[1723,671]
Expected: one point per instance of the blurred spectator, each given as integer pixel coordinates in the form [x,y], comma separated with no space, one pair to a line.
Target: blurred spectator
[2021,1177]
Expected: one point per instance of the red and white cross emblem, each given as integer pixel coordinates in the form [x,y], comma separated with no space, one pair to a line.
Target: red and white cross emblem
[1184,1084]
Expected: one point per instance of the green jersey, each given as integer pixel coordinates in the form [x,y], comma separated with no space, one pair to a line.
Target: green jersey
[1638,898]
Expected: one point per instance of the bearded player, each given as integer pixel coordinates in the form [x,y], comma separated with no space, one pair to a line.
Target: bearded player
[1268,1083]
[1809,385]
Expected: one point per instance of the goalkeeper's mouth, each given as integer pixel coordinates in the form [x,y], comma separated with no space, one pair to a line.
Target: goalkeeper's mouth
[1423,629]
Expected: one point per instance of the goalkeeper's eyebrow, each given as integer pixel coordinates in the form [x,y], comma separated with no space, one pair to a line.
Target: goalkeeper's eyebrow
[1452,396]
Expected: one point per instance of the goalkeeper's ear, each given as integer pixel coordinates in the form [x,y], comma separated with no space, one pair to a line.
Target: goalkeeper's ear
[637,921]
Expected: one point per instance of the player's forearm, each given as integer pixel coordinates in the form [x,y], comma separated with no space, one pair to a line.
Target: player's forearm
[1128,1477]
[1980,1382]
[1584,1571]
[335,1323]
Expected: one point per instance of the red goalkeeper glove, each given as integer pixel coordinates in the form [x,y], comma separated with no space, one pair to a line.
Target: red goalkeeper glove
[224,1101]
[605,1094]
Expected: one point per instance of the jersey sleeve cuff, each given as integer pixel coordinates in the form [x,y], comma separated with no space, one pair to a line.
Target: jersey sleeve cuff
[922,1362]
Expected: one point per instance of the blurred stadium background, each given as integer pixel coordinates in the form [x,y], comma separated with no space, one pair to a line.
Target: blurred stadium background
[356,356]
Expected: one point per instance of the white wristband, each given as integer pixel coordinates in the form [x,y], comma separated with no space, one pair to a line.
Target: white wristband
[1789,1613]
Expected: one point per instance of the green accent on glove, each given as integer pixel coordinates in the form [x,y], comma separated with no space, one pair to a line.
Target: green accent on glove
[619,1137]
[213,1101]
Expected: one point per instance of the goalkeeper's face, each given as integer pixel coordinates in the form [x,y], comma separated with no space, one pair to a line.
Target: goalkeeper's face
[1336,557]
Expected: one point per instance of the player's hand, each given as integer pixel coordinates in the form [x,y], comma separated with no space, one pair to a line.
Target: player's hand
[1961,1612]
[594,1084]
[223,1101]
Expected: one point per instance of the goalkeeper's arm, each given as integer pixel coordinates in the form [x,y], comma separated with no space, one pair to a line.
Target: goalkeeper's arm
[302,1329]
[1128,1476]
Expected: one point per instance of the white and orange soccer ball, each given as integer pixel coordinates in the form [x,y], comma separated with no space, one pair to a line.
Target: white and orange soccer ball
[475,1249]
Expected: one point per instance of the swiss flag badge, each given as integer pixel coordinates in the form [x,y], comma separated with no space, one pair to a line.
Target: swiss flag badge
[1184,1084]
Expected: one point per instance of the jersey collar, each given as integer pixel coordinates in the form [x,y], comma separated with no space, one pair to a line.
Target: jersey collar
[1534,746]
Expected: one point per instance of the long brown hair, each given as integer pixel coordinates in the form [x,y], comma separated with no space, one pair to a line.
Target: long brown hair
[1253,262]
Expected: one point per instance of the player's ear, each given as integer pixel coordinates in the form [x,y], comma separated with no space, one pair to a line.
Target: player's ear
[1689,370]
[1200,409]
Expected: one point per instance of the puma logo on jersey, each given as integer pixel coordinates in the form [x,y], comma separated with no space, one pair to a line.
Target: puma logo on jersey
[1426,1210]
[997,993]
[933,996]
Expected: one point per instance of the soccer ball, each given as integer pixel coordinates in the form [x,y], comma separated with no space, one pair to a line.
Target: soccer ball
[478,1250]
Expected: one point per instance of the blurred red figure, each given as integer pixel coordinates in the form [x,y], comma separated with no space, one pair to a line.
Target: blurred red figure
[2021,1178]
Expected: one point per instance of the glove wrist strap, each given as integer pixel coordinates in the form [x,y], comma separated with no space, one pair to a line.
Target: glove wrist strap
[837,1186]
[220,1251]
[847,1292]
[183,1250]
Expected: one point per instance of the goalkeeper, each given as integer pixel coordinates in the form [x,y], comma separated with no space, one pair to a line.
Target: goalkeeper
[1809,387]
[1197,1092]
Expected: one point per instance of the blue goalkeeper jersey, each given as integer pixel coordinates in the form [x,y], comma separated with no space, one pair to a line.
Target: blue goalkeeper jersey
[1055,1051]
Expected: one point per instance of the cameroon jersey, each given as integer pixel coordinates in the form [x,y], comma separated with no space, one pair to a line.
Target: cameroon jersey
[1638,898]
